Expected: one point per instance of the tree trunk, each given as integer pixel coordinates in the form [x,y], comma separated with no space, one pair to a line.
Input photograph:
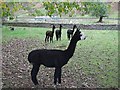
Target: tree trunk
[101,19]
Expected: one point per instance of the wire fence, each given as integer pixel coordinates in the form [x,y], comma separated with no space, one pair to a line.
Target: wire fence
[85,21]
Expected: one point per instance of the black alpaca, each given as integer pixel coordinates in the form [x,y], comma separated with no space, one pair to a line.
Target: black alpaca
[49,35]
[70,32]
[58,33]
[12,28]
[53,58]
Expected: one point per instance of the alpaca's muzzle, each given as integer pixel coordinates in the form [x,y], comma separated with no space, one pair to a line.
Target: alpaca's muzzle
[83,37]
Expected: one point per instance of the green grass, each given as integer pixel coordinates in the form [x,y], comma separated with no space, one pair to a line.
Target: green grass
[97,55]
[114,14]
[101,56]
[20,32]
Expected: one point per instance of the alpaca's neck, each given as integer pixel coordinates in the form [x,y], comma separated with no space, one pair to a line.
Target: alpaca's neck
[71,48]
[73,28]
[60,28]
[53,30]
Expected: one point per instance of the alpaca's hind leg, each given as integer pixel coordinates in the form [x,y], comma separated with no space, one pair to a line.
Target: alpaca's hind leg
[51,39]
[56,37]
[48,38]
[45,38]
[55,76]
[34,73]
[68,35]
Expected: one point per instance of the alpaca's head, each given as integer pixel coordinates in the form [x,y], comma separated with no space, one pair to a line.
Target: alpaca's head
[53,26]
[74,26]
[60,25]
[79,35]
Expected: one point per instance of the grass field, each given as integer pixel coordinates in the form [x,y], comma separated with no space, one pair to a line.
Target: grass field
[97,56]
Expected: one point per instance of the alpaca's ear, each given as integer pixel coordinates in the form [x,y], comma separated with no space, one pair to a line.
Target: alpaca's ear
[78,29]
[76,26]
[52,25]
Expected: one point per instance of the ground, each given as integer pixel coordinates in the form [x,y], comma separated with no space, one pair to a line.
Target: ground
[16,68]
[93,65]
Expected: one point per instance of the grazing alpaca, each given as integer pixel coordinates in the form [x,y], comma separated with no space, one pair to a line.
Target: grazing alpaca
[12,28]
[58,33]
[70,32]
[53,58]
[50,34]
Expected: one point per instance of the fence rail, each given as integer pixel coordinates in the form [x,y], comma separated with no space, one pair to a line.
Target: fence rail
[65,25]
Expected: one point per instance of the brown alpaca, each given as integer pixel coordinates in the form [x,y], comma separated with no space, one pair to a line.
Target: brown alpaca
[49,35]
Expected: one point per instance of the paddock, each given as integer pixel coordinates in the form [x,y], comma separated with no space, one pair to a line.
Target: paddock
[94,64]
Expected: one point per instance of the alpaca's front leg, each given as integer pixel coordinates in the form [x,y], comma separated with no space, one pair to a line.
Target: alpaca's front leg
[46,39]
[34,73]
[57,75]
[57,38]
[68,35]
[51,39]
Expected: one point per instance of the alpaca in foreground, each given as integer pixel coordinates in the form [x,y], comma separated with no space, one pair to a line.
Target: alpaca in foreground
[70,32]
[53,58]
[49,35]
[58,33]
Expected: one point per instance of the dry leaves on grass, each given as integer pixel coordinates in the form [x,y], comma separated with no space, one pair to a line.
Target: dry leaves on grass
[16,68]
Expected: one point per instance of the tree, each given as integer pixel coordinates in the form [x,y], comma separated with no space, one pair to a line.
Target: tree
[99,9]
[50,7]
[8,9]
[60,8]
[85,7]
